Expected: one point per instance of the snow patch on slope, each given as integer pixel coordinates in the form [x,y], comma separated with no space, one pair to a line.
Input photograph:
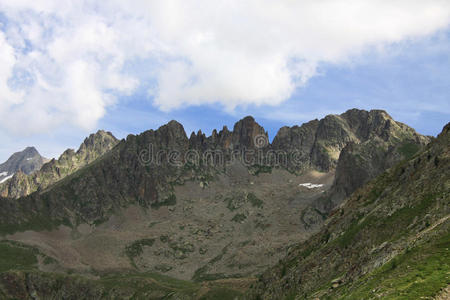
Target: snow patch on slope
[6,178]
[310,185]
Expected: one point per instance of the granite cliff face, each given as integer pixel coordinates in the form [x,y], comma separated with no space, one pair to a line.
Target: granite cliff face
[27,161]
[389,239]
[23,183]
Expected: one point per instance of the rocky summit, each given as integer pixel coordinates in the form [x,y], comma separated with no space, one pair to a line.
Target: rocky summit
[161,215]
[24,162]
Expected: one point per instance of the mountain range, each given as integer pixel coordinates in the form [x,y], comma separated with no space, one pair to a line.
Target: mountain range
[24,183]
[309,215]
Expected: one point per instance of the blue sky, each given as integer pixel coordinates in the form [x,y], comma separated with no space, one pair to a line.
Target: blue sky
[412,84]
[71,68]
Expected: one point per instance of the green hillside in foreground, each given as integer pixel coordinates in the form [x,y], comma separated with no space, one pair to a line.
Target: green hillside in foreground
[21,279]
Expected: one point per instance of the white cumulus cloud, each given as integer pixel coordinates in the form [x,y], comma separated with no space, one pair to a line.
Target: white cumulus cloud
[66,62]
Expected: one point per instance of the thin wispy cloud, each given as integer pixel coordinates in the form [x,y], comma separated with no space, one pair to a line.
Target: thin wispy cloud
[66,62]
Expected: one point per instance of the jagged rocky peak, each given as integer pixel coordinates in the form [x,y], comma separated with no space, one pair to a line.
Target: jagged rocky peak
[99,139]
[358,119]
[353,125]
[368,124]
[320,142]
[171,135]
[30,151]
[335,129]
[95,145]
[174,126]
[296,136]
[172,129]
[224,138]
[243,136]
[27,161]
[245,131]
[168,136]
[199,141]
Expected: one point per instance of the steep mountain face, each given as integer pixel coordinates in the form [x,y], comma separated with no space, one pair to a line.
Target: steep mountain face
[23,183]
[358,145]
[318,144]
[196,208]
[384,143]
[27,161]
[388,240]
[298,138]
